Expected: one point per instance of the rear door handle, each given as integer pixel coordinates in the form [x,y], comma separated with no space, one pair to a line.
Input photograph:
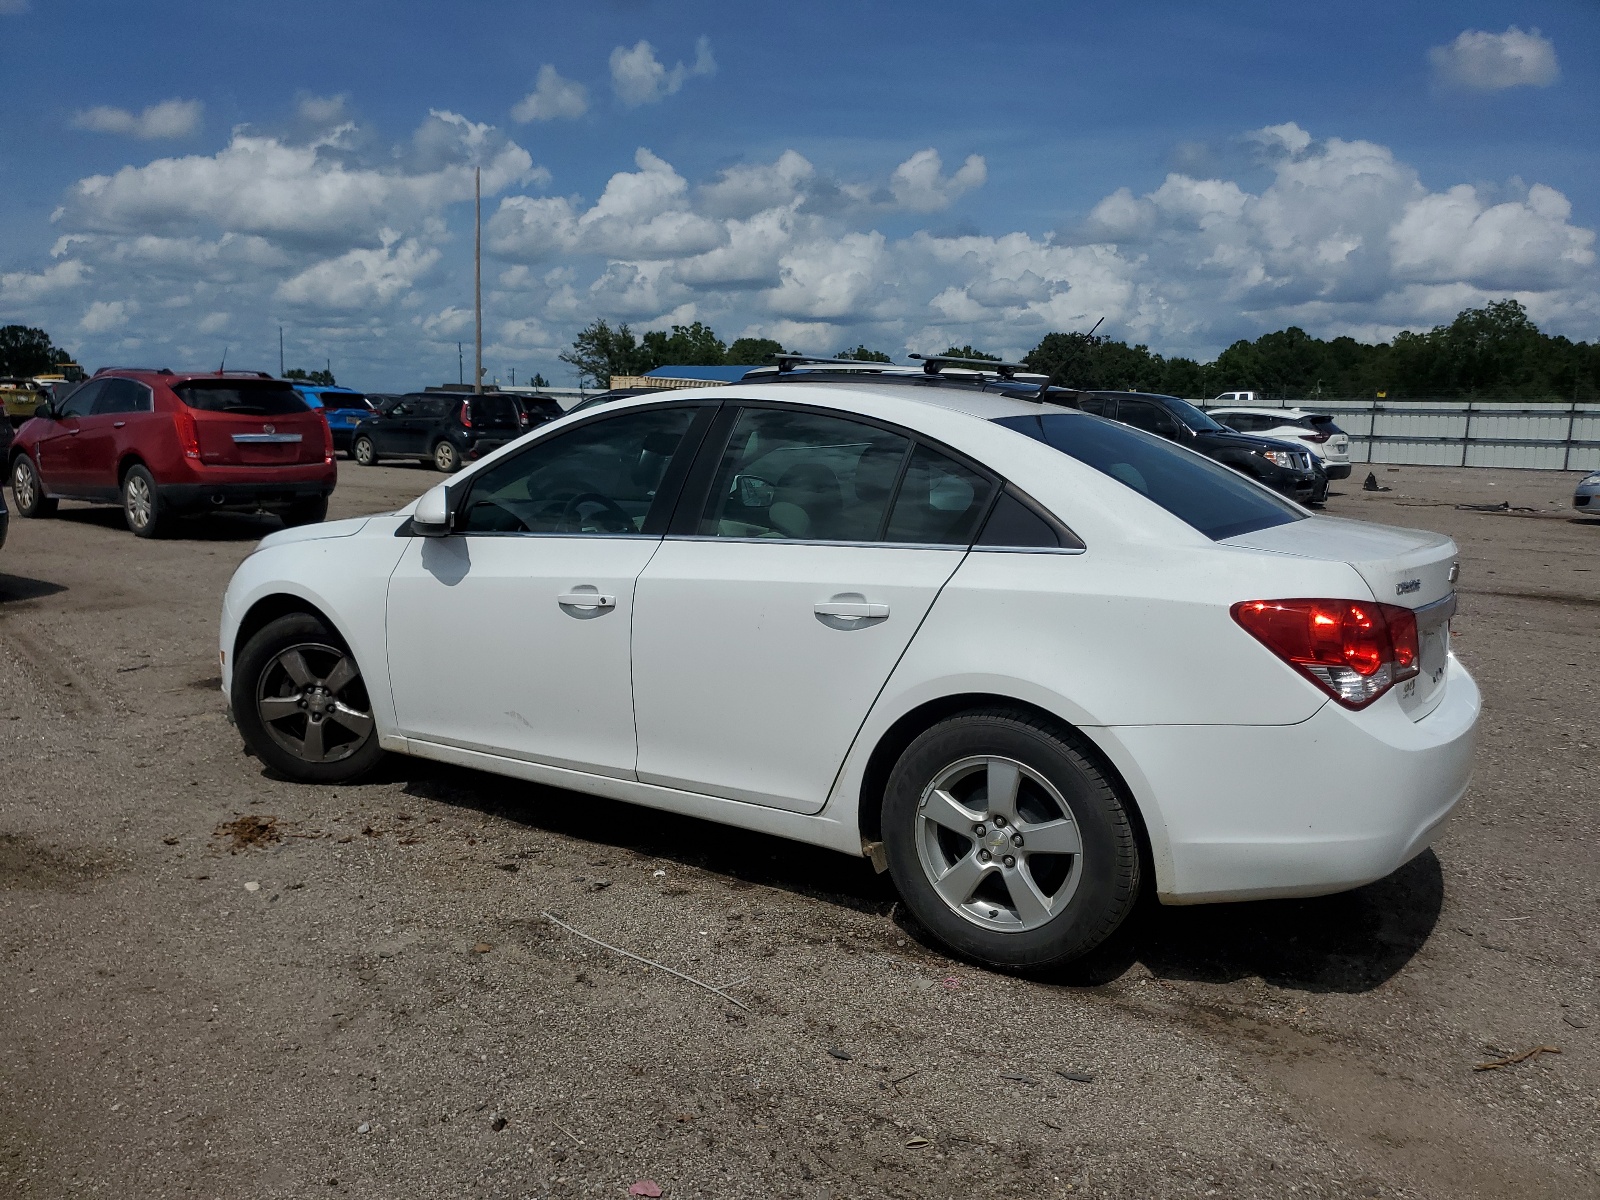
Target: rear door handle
[586,600]
[851,608]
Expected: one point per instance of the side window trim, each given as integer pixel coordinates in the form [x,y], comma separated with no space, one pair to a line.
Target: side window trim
[656,519]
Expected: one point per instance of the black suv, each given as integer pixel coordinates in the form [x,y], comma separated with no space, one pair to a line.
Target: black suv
[1281,466]
[442,428]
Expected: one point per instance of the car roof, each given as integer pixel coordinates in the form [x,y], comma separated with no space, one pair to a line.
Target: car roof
[1268,412]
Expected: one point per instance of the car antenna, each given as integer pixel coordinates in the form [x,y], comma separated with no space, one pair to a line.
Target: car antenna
[223,364]
[1050,379]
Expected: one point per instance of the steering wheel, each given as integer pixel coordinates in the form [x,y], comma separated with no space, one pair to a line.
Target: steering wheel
[609,507]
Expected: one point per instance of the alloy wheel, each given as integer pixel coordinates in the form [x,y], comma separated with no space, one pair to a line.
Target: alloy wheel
[140,503]
[445,457]
[999,843]
[22,484]
[313,703]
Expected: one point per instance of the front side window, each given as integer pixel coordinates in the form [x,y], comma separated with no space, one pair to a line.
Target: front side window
[804,476]
[1217,501]
[81,403]
[1141,414]
[600,478]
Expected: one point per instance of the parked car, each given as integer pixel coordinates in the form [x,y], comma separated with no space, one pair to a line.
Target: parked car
[442,428]
[19,398]
[1030,661]
[536,410]
[1318,431]
[1585,496]
[343,407]
[163,444]
[1286,468]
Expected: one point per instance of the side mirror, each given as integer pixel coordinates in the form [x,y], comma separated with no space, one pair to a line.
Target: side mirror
[45,411]
[435,512]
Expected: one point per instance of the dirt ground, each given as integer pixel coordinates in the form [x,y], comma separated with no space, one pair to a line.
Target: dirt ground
[217,984]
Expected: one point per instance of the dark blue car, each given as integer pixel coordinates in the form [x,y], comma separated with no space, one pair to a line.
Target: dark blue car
[344,408]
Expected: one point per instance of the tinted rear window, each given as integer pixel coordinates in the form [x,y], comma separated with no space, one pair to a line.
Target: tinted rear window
[336,400]
[1321,423]
[1211,498]
[244,396]
[494,410]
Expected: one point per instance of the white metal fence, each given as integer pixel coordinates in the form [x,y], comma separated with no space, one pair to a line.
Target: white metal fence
[1458,433]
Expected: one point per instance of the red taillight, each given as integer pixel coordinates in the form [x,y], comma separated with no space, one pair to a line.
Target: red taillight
[1352,649]
[466,414]
[327,439]
[1319,438]
[188,434]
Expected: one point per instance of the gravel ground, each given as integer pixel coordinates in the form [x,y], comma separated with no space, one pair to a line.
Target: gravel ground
[214,983]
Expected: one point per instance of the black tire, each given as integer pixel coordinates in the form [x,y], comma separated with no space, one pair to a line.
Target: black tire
[306,512]
[147,515]
[260,679]
[364,451]
[446,457]
[28,492]
[1086,895]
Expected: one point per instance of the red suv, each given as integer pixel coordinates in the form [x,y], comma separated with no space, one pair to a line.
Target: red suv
[163,444]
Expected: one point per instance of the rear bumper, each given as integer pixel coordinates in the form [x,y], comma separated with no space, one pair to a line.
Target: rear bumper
[487,445]
[265,493]
[1253,812]
[1336,470]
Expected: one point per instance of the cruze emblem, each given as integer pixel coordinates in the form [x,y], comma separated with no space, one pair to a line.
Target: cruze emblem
[1408,586]
[269,429]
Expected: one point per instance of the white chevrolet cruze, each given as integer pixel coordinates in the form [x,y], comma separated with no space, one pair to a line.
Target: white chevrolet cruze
[1030,660]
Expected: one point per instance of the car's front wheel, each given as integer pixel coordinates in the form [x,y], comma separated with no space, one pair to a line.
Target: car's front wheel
[142,507]
[364,452]
[301,702]
[28,492]
[1007,842]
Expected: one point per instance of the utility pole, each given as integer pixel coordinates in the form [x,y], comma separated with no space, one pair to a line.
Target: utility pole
[513,377]
[280,351]
[477,280]
[461,371]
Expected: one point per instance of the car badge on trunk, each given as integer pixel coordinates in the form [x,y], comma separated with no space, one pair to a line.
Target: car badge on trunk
[269,429]
[1408,586]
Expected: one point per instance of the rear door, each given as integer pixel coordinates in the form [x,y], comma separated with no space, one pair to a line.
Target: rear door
[770,618]
[512,635]
[119,412]
[251,423]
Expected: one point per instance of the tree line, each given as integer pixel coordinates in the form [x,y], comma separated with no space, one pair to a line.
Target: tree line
[1489,353]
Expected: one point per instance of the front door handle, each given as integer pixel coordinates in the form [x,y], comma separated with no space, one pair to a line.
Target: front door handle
[118,424]
[586,600]
[851,608]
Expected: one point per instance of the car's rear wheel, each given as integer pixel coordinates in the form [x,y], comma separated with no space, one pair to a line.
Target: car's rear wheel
[306,512]
[1007,842]
[364,452]
[301,702]
[446,457]
[27,490]
[142,507]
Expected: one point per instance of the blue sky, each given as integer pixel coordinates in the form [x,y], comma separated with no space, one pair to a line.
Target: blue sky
[184,177]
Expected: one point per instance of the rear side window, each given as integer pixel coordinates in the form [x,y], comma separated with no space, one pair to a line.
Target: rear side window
[1211,498]
[940,501]
[1014,525]
[123,396]
[245,397]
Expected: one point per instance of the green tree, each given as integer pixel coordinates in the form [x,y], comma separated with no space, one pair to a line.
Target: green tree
[687,345]
[968,352]
[315,378]
[862,354]
[599,352]
[539,381]
[26,351]
[751,352]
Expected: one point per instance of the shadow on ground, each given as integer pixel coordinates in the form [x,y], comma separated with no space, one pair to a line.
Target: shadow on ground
[1351,942]
[206,527]
[19,587]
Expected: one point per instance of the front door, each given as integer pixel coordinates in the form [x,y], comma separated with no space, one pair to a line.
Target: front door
[61,464]
[512,634]
[764,633]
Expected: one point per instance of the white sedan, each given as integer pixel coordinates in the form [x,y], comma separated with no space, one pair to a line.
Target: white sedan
[1030,661]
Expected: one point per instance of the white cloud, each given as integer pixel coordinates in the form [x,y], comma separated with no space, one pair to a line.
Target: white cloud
[552,97]
[105,315]
[323,111]
[743,191]
[19,288]
[638,77]
[214,323]
[361,278]
[920,185]
[1491,62]
[168,119]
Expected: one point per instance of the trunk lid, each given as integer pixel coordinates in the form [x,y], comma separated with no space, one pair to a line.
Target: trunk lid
[251,422]
[1411,568]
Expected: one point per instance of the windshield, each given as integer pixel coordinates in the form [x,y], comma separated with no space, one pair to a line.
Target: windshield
[247,397]
[1216,500]
[1193,417]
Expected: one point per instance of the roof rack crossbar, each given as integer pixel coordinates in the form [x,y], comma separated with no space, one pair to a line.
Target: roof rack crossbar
[934,363]
[788,362]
